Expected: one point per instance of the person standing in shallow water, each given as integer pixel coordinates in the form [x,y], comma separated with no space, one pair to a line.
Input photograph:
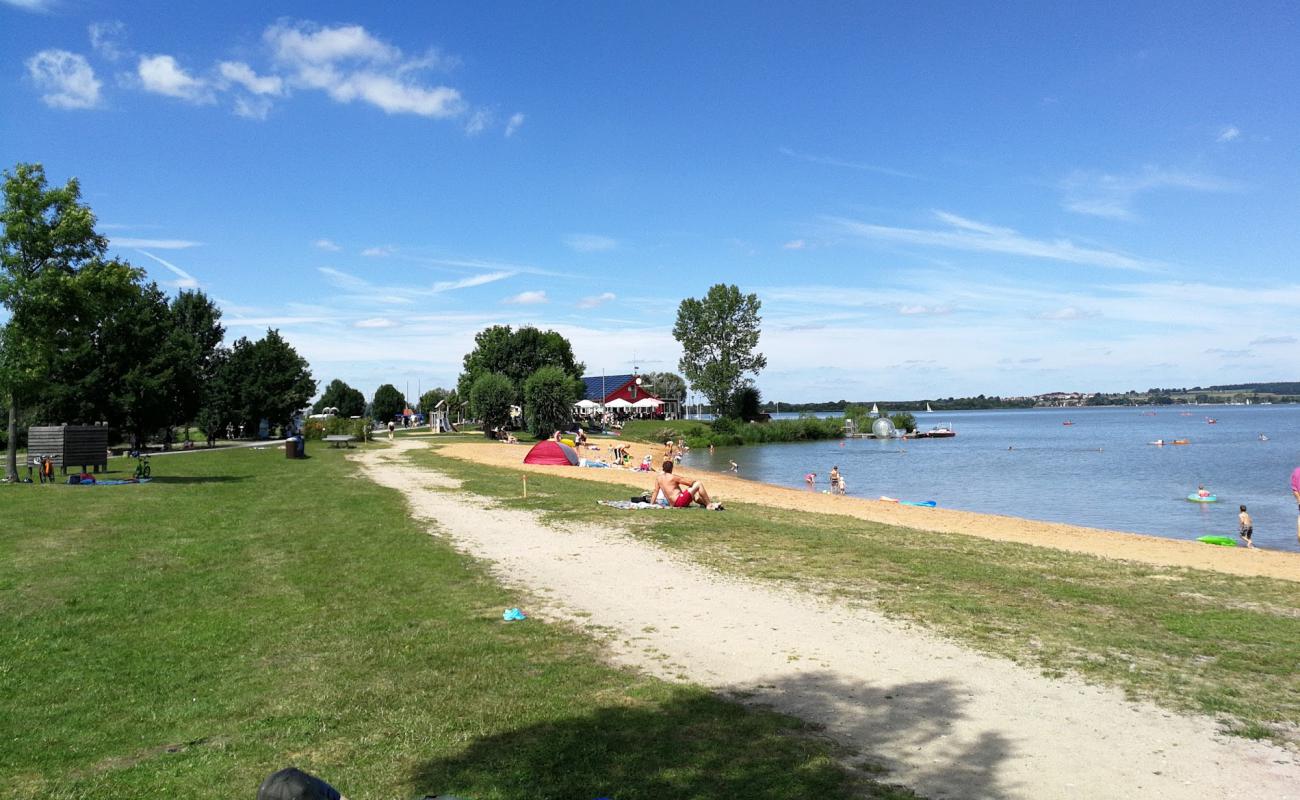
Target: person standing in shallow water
[1295,492]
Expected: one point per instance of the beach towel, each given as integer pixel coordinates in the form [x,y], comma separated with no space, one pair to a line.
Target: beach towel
[627,505]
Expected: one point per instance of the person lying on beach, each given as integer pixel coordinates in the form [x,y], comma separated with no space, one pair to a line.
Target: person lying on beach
[681,492]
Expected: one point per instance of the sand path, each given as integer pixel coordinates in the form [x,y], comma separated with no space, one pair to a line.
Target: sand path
[947,722]
[1074,538]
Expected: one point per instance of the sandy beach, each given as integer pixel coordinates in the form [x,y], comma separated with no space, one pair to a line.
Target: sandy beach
[1073,538]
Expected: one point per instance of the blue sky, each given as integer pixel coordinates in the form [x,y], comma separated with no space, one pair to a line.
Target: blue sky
[943,200]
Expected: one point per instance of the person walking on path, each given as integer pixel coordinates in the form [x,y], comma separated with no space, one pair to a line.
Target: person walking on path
[391,428]
[1295,491]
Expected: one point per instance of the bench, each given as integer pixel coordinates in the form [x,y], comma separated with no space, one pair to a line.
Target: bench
[339,440]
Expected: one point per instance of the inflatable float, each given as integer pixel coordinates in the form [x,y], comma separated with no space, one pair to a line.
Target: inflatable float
[1221,541]
[1209,498]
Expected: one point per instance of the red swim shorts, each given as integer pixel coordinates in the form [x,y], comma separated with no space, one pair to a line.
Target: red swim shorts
[683,499]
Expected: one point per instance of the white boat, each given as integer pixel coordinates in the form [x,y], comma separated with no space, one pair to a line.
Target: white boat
[874,410]
[928,410]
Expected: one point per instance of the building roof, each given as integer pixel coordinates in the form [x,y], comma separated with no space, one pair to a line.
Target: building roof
[601,386]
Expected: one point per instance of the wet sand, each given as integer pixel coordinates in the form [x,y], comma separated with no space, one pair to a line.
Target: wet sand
[1073,538]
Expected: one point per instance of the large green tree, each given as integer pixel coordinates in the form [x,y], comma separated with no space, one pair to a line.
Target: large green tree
[47,231]
[719,338]
[665,385]
[267,379]
[517,354]
[432,397]
[388,403]
[549,395]
[350,402]
[192,348]
[490,399]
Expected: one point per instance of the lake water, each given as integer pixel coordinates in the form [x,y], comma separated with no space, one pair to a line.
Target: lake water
[1099,472]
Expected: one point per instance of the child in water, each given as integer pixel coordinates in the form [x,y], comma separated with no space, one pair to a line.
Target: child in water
[1201,491]
[1247,527]
[735,467]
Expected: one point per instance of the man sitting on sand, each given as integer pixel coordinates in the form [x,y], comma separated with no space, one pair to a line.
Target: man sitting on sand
[680,492]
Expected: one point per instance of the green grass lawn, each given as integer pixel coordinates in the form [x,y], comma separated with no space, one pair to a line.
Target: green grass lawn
[244,612]
[1191,640]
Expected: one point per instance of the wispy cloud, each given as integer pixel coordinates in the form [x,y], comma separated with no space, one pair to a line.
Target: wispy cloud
[516,122]
[1101,194]
[153,244]
[1228,133]
[589,243]
[1065,314]
[1273,340]
[327,245]
[106,39]
[1228,353]
[375,322]
[795,244]
[67,79]
[31,5]
[163,75]
[475,280]
[238,73]
[978,237]
[526,299]
[478,121]
[923,310]
[839,162]
[185,280]
[596,300]
[379,251]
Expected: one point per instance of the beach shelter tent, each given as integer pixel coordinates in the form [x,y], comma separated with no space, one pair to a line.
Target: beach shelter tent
[552,453]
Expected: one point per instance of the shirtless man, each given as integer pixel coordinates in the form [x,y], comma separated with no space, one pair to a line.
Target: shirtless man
[679,491]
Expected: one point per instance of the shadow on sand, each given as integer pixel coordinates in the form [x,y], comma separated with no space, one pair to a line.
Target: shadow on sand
[696,746]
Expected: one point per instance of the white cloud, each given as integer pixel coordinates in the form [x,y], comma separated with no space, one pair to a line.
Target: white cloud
[252,107]
[1273,340]
[162,75]
[478,122]
[914,310]
[795,244]
[476,280]
[1112,196]
[515,123]
[105,39]
[1228,134]
[590,243]
[186,280]
[239,73]
[66,78]
[1066,314]
[343,280]
[597,300]
[326,245]
[349,64]
[837,162]
[379,251]
[375,322]
[31,5]
[971,236]
[526,299]
[154,244]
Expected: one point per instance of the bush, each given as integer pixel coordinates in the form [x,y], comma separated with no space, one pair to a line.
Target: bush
[549,395]
[667,435]
[903,421]
[334,426]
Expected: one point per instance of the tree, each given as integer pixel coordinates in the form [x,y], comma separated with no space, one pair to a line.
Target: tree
[388,402]
[267,379]
[746,402]
[349,402]
[516,355]
[46,231]
[549,395]
[719,335]
[490,399]
[666,385]
[430,399]
[191,348]
[903,421]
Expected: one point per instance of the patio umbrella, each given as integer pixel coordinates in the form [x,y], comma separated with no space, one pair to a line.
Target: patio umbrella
[647,402]
[587,404]
[618,402]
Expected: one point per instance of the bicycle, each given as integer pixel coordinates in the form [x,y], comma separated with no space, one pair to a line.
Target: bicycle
[142,469]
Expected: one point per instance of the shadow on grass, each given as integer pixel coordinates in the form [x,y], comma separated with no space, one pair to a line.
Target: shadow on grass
[697,746]
[187,479]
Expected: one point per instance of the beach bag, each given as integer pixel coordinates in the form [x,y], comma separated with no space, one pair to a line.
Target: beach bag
[294,784]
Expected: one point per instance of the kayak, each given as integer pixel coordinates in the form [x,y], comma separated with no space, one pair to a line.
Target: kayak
[1195,498]
[1221,541]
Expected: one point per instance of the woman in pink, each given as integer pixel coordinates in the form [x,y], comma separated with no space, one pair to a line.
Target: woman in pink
[1295,490]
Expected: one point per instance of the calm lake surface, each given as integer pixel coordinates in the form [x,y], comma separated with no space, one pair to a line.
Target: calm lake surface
[1099,472]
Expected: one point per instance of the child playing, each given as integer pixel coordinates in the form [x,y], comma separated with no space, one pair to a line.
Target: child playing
[1247,527]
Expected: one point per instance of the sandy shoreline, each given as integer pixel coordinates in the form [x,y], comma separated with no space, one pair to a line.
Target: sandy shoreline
[1073,538]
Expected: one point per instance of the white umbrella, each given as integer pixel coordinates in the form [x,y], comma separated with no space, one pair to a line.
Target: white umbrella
[647,402]
[618,402]
[588,404]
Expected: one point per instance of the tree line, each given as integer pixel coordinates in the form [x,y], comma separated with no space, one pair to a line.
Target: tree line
[90,340]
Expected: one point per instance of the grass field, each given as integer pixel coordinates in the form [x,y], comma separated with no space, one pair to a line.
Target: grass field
[244,612]
[1192,641]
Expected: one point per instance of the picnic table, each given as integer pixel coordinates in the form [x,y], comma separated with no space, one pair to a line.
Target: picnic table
[339,440]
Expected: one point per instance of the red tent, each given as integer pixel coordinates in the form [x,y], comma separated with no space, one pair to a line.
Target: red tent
[553,453]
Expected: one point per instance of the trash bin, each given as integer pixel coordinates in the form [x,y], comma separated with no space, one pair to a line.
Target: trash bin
[290,448]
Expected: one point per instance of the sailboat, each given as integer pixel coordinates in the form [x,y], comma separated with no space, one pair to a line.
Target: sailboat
[875,412]
[928,410]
